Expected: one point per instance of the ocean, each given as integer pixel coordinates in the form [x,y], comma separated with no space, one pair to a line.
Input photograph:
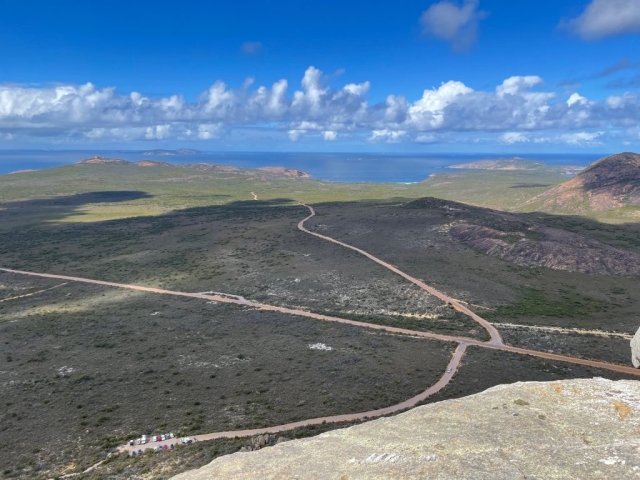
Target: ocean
[337,167]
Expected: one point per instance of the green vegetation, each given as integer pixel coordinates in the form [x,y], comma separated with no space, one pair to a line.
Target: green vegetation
[193,367]
[156,190]
[534,303]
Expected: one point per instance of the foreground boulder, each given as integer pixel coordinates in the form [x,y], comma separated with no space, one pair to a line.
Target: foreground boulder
[567,429]
[635,349]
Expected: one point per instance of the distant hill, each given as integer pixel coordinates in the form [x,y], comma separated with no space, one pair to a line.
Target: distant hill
[179,151]
[610,183]
[102,161]
[202,167]
[500,164]
[518,164]
[285,172]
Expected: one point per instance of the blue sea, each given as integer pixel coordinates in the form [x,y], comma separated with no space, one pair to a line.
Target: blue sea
[337,167]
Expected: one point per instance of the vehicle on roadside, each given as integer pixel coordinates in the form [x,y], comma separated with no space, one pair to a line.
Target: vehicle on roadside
[163,437]
[131,443]
[139,451]
[133,454]
[448,370]
[143,439]
[186,440]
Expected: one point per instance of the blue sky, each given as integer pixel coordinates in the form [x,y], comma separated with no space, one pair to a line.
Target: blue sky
[414,76]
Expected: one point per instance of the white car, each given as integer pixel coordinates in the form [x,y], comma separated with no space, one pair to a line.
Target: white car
[163,438]
[448,370]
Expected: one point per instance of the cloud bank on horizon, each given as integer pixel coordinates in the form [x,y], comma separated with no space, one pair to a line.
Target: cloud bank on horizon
[516,110]
[520,110]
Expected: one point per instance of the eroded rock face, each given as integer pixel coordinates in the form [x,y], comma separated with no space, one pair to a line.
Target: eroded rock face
[567,429]
[635,349]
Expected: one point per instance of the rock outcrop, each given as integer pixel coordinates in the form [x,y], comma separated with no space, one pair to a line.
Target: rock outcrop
[567,429]
[635,349]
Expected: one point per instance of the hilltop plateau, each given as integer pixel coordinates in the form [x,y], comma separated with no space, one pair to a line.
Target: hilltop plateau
[568,429]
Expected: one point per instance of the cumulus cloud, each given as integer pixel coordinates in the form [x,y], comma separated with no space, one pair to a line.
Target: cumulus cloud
[581,138]
[329,135]
[576,98]
[606,18]
[295,135]
[387,136]
[519,104]
[514,137]
[251,48]
[454,22]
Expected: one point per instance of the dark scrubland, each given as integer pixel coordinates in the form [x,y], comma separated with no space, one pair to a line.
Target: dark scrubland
[610,348]
[418,241]
[253,249]
[83,368]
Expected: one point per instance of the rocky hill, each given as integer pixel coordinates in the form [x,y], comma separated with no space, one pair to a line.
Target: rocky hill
[612,182]
[584,429]
[525,240]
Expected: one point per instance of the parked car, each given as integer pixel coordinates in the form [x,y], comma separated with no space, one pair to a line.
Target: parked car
[140,452]
[131,442]
[165,447]
[163,437]
[187,440]
[172,446]
[171,435]
[143,440]
[133,454]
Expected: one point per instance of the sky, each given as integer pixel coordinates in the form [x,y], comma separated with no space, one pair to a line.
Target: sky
[336,76]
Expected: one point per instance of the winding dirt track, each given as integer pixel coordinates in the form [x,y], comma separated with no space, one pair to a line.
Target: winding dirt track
[495,343]
[495,336]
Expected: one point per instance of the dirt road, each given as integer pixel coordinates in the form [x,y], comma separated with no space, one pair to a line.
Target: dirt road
[349,417]
[495,336]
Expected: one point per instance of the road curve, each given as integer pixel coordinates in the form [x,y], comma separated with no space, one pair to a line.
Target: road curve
[412,402]
[493,332]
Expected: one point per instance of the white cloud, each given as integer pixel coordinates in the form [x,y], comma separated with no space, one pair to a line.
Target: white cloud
[519,104]
[295,135]
[606,18]
[581,138]
[426,138]
[576,98]
[207,131]
[387,136]
[453,22]
[517,85]
[514,137]
[329,135]
[157,132]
